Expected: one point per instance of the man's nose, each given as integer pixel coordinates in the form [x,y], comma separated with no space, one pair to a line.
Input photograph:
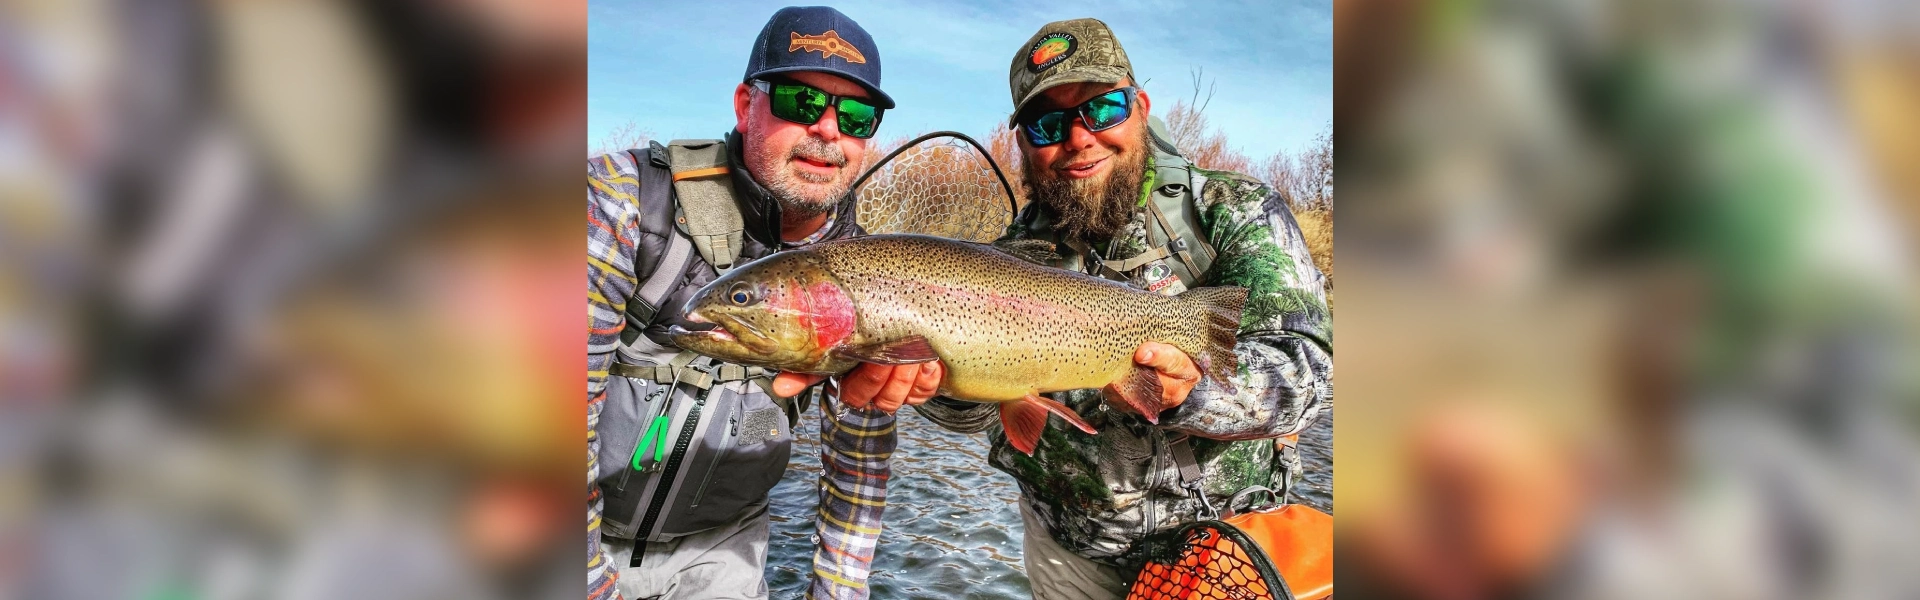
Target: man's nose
[828,127]
[1078,136]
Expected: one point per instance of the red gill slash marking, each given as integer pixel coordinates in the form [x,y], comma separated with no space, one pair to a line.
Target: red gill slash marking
[829,313]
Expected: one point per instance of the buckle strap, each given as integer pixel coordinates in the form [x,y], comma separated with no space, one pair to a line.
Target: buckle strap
[657,373]
[1180,243]
[733,372]
[1138,260]
[1093,259]
[1190,473]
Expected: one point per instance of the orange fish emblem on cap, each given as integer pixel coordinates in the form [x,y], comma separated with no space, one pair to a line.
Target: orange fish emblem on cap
[828,45]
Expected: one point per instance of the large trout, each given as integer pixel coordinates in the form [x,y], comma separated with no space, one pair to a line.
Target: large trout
[1008,330]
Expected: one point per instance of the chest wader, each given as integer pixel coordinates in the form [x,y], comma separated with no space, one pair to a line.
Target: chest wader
[1250,554]
[688,442]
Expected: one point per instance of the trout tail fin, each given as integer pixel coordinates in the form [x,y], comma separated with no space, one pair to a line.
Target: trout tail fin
[1219,328]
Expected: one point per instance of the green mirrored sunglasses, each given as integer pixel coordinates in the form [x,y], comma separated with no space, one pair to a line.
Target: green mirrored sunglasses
[805,104]
[1101,113]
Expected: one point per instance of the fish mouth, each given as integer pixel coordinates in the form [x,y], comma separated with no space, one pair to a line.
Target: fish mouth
[700,327]
[722,328]
[714,334]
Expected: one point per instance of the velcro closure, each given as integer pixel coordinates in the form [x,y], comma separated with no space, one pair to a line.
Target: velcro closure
[706,202]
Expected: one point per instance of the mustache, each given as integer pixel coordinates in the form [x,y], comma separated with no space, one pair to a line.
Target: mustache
[1070,160]
[813,148]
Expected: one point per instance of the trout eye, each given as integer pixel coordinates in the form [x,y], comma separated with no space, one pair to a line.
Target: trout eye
[741,296]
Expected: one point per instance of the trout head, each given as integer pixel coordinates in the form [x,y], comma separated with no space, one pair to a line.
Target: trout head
[785,311]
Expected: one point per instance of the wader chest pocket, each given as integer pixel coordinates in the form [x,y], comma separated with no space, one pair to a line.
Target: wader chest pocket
[687,459]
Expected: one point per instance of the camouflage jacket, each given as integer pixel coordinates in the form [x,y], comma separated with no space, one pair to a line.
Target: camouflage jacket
[1098,494]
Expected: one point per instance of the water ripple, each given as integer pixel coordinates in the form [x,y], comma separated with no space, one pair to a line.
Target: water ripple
[953,522]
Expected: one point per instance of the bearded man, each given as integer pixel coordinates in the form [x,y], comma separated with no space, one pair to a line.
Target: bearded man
[1110,197]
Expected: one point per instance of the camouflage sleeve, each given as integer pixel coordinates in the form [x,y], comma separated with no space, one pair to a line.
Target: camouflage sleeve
[962,417]
[613,223]
[1285,345]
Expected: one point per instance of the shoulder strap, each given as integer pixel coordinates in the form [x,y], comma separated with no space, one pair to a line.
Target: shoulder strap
[655,190]
[1174,205]
[705,200]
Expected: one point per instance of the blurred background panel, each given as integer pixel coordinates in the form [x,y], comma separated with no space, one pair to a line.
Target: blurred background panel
[1628,298]
[288,298]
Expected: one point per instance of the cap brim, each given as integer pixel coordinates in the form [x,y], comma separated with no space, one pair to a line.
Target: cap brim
[880,98]
[1087,74]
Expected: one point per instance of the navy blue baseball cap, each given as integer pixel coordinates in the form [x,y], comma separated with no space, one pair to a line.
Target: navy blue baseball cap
[818,38]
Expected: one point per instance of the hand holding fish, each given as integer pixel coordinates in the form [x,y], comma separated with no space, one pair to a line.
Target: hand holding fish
[1177,372]
[886,387]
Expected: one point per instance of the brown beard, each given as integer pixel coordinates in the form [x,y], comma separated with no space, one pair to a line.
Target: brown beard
[1086,210]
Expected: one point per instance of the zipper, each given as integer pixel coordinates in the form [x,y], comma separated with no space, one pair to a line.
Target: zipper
[673,466]
[648,437]
[1153,481]
[733,432]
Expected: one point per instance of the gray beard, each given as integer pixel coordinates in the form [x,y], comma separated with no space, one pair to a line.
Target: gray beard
[787,187]
[1086,211]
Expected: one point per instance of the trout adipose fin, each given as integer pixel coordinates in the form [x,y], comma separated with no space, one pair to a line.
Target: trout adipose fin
[1139,390]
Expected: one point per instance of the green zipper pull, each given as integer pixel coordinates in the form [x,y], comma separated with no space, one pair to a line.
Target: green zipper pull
[660,450]
[646,440]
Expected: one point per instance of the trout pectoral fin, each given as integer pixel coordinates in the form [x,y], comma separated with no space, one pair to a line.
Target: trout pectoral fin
[904,351]
[1139,391]
[1027,419]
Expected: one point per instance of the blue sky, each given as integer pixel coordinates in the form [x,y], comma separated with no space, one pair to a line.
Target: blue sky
[670,67]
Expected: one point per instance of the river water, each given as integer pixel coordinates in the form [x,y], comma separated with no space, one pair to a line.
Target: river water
[952,523]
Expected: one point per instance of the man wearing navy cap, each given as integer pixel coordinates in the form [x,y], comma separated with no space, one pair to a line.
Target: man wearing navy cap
[682,450]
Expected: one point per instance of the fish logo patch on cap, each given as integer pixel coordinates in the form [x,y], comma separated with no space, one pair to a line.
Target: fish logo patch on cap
[1050,50]
[827,44]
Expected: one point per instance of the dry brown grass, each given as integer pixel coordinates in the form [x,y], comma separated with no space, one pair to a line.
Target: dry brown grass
[1316,225]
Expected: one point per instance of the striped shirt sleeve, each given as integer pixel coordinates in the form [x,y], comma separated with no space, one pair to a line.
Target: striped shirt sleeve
[855,447]
[613,224]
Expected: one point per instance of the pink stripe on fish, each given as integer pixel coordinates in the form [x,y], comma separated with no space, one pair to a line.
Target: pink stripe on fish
[829,314]
[1026,304]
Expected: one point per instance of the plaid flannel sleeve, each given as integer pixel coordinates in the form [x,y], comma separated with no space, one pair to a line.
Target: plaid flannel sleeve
[855,447]
[613,223]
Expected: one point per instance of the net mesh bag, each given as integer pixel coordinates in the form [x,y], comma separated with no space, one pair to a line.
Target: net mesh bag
[941,186]
[1204,561]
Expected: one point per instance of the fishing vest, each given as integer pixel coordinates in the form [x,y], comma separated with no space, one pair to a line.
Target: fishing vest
[687,442]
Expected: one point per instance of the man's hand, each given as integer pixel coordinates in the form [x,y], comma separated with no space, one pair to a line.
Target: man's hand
[1177,372]
[886,387]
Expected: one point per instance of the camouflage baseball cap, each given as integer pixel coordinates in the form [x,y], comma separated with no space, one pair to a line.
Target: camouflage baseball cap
[1062,52]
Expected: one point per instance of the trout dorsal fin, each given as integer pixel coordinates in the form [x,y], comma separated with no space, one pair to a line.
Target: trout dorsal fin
[1036,251]
[904,351]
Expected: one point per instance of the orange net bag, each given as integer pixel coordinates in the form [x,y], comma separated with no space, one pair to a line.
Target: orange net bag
[1234,559]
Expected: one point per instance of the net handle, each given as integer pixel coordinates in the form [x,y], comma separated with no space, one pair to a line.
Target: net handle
[1013,205]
